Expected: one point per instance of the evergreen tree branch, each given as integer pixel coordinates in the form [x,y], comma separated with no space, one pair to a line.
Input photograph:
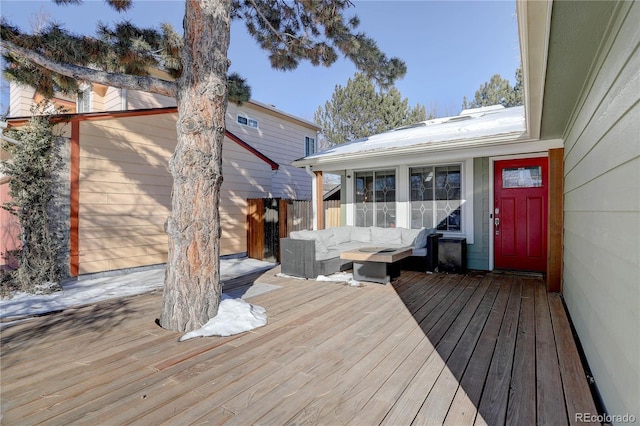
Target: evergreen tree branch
[125,81]
[264,19]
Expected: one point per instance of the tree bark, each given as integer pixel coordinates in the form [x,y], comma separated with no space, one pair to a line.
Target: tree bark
[192,288]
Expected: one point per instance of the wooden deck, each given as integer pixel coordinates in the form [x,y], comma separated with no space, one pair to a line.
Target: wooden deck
[427,349]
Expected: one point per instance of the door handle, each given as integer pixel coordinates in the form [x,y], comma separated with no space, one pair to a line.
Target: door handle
[496,222]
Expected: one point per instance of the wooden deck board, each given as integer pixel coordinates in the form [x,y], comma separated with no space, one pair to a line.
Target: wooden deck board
[426,349]
[446,335]
[463,409]
[521,408]
[576,389]
[436,406]
[290,335]
[493,404]
[550,409]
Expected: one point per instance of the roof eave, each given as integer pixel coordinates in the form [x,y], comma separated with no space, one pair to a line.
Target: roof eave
[418,149]
[534,24]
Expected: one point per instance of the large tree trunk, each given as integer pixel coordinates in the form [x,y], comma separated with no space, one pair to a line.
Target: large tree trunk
[192,287]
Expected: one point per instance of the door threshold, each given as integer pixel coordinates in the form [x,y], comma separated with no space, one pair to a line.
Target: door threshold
[519,273]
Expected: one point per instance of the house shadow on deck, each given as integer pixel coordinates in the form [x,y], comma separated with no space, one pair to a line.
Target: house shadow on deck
[500,351]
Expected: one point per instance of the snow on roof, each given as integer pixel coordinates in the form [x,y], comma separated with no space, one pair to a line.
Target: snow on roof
[479,124]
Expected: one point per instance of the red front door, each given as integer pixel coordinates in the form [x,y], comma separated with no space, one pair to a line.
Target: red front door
[520,214]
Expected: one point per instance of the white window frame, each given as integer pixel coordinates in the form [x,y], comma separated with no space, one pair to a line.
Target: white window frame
[352,190]
[467,193]
[306,145]
[403,203]
[250,122]
[84,89]
[463,207]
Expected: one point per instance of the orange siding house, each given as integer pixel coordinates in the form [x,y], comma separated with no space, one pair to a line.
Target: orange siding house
[120,191]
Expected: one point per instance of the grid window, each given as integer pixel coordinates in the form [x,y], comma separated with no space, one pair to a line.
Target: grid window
[309,146]
[246,121]
[375,198]
[436,197]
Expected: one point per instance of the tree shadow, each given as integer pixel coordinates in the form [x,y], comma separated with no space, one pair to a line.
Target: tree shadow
[486,350]
[94,320]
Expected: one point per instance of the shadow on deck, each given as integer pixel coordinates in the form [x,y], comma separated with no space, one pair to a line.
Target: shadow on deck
[428,348]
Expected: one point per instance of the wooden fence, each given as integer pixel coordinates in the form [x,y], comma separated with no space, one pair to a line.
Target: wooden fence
[269,219]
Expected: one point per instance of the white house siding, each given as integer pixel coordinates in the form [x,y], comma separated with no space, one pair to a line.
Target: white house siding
[113,99]
[282,140]
[602,218]
[20,100]
[97,102]
[144,100]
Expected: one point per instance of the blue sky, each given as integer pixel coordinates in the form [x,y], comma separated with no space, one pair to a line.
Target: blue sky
[450,47]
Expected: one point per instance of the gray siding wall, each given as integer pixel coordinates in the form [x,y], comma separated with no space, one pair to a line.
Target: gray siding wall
[478,253]
[602,217]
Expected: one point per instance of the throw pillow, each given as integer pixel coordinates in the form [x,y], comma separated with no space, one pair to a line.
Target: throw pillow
[409,236]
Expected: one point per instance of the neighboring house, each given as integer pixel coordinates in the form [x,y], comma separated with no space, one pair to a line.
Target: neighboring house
[331,192]
[553,186]
[9,228]
[120,186]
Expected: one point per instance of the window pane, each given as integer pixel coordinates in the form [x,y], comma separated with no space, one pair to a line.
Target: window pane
[436,197]
[422,208]
[421,214]
[364,198]
[522,177]
[84,101]
[385,198]
[309,145]
[448,194]
[375,200]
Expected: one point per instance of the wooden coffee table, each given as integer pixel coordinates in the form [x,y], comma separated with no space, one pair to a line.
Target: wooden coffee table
[376,264]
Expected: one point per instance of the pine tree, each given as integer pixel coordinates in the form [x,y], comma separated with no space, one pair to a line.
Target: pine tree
[32,189]
[497,91]
[358,110]
[317,31]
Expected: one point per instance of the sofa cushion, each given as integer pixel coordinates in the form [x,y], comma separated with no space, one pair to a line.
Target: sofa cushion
[342,234]
[361,234]
[419,251]
[352,245]
[409,236]
[327,237]
[329,254]
[386,236]
[310,235]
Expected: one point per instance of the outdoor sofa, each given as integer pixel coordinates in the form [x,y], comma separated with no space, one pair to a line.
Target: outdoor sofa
[311,253]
